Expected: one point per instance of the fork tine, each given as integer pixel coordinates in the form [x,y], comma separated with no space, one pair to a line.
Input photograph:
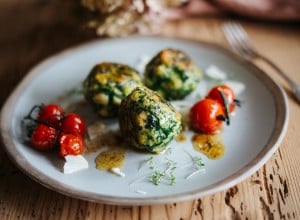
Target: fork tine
[238,39]
[228,35]
[228,29]
[240,42]
[240,31]
[241,35]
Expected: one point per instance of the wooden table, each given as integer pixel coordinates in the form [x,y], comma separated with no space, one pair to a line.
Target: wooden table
[32,30]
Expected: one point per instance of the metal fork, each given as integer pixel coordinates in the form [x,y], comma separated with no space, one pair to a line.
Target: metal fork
[240,42]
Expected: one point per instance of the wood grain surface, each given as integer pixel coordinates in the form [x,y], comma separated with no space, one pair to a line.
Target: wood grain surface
[32,30]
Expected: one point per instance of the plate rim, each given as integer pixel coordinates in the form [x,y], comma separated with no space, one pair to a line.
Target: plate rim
[275,139]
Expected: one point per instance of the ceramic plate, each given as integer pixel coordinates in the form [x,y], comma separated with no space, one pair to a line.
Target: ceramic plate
[254,134]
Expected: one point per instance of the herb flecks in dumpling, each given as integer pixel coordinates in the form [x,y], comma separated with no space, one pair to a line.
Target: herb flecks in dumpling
[173,74]
[107,84]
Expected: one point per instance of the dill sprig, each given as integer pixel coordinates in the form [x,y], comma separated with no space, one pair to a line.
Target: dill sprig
[147,161]
[156,177]
[169,151]
[166,174]
[197,161]
[198,164]
[74,91]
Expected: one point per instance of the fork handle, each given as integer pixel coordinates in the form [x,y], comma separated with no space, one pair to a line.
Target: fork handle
[275,67]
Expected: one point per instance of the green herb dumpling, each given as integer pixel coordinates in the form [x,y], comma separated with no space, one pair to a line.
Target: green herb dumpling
[172,73]
[107,84]
[147,121]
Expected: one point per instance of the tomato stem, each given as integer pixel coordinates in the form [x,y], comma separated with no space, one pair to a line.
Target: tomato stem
[45,122]
[35,121]
[226,106]
[221,117]
[237,102]
[29,116]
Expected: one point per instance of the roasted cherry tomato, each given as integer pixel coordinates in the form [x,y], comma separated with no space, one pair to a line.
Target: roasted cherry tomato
[70,144]
[207,116]
[51,114]
[74,124]
[215,93]
[43,137]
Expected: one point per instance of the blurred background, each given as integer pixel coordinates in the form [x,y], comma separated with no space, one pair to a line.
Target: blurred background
[32,30]
[29,27]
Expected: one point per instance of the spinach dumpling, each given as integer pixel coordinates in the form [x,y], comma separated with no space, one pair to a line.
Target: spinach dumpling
[107,84]
[173,74]
[148,121]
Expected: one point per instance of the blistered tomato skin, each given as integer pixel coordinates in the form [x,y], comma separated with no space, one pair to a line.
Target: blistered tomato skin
[74,124]
[51,114]
[215,93]
[70,144]
[43,138]
[207,116]
[51,129]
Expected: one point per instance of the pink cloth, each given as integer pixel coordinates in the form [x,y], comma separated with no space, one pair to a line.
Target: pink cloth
[259,9]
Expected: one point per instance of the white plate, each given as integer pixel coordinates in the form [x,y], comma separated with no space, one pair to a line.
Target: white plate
[254,135]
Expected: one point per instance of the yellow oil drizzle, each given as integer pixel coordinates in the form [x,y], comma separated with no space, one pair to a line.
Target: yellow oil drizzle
[99,138]
[111,158]
[103,139]
[210,145]
[181,137]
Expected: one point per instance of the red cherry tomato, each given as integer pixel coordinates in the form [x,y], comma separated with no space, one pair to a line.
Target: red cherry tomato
[74,124]
[70,144]
[215,93]
[51,113]
[207,116]
[43,138]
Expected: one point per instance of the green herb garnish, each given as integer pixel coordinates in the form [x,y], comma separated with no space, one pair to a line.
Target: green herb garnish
[197,161]
[145,162]
[156,177]
[74,91]
[167,174]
